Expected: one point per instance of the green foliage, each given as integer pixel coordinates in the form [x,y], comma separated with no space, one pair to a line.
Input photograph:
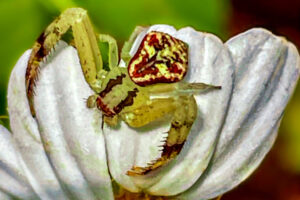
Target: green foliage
[20,24]
[4,120]
[120,17]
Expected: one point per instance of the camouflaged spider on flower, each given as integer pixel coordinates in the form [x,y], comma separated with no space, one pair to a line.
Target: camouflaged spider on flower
[63,152]
[157,69]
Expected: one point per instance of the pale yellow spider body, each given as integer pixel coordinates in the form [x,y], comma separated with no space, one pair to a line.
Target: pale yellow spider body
[150,88]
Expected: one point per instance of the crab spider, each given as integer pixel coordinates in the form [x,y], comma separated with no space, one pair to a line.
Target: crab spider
[150,88]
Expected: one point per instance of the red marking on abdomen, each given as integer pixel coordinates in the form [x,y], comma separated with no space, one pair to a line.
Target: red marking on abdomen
[176,66]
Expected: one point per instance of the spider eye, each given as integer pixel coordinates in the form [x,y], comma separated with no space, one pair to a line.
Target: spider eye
[160,58]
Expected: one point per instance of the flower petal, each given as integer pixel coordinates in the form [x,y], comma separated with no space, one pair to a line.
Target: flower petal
[28,142]
[71,132]
[13,181]
[210,63]
[267,69]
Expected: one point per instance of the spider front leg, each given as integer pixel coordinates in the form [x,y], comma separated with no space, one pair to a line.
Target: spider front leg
[76,20]
[125,52]
[184,110]
[155,101]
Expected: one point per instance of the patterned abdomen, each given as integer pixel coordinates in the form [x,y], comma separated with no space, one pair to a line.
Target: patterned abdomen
[160,58]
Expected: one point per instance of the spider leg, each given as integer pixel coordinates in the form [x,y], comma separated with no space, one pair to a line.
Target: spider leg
[109,51]
[183,119]
[160,100]
[85,40]
[139,116]
[179,89]
[125,55]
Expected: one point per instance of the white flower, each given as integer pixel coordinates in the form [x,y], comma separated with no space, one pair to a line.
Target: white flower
[64,153]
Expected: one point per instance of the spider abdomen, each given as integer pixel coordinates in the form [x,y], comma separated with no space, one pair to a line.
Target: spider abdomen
[160,58]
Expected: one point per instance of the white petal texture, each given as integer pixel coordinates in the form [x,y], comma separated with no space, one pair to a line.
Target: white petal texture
[64,154]
[216,69]
[266,69]
[63,149]
[13,183]
[266,73]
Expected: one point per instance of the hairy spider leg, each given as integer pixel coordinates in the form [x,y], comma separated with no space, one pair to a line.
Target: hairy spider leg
[85,40]
[184,116]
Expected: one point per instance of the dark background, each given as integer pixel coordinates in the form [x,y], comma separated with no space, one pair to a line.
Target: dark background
[278,178]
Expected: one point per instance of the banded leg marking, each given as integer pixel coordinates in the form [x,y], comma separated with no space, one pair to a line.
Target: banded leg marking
[183,119]
[85,42]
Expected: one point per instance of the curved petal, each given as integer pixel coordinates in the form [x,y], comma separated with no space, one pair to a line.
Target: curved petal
[28,142]
[210,63]
[71,133]
[13,183]
[267,69]
[63,155]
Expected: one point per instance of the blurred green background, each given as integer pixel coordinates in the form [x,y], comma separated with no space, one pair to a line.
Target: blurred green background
[21,21]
